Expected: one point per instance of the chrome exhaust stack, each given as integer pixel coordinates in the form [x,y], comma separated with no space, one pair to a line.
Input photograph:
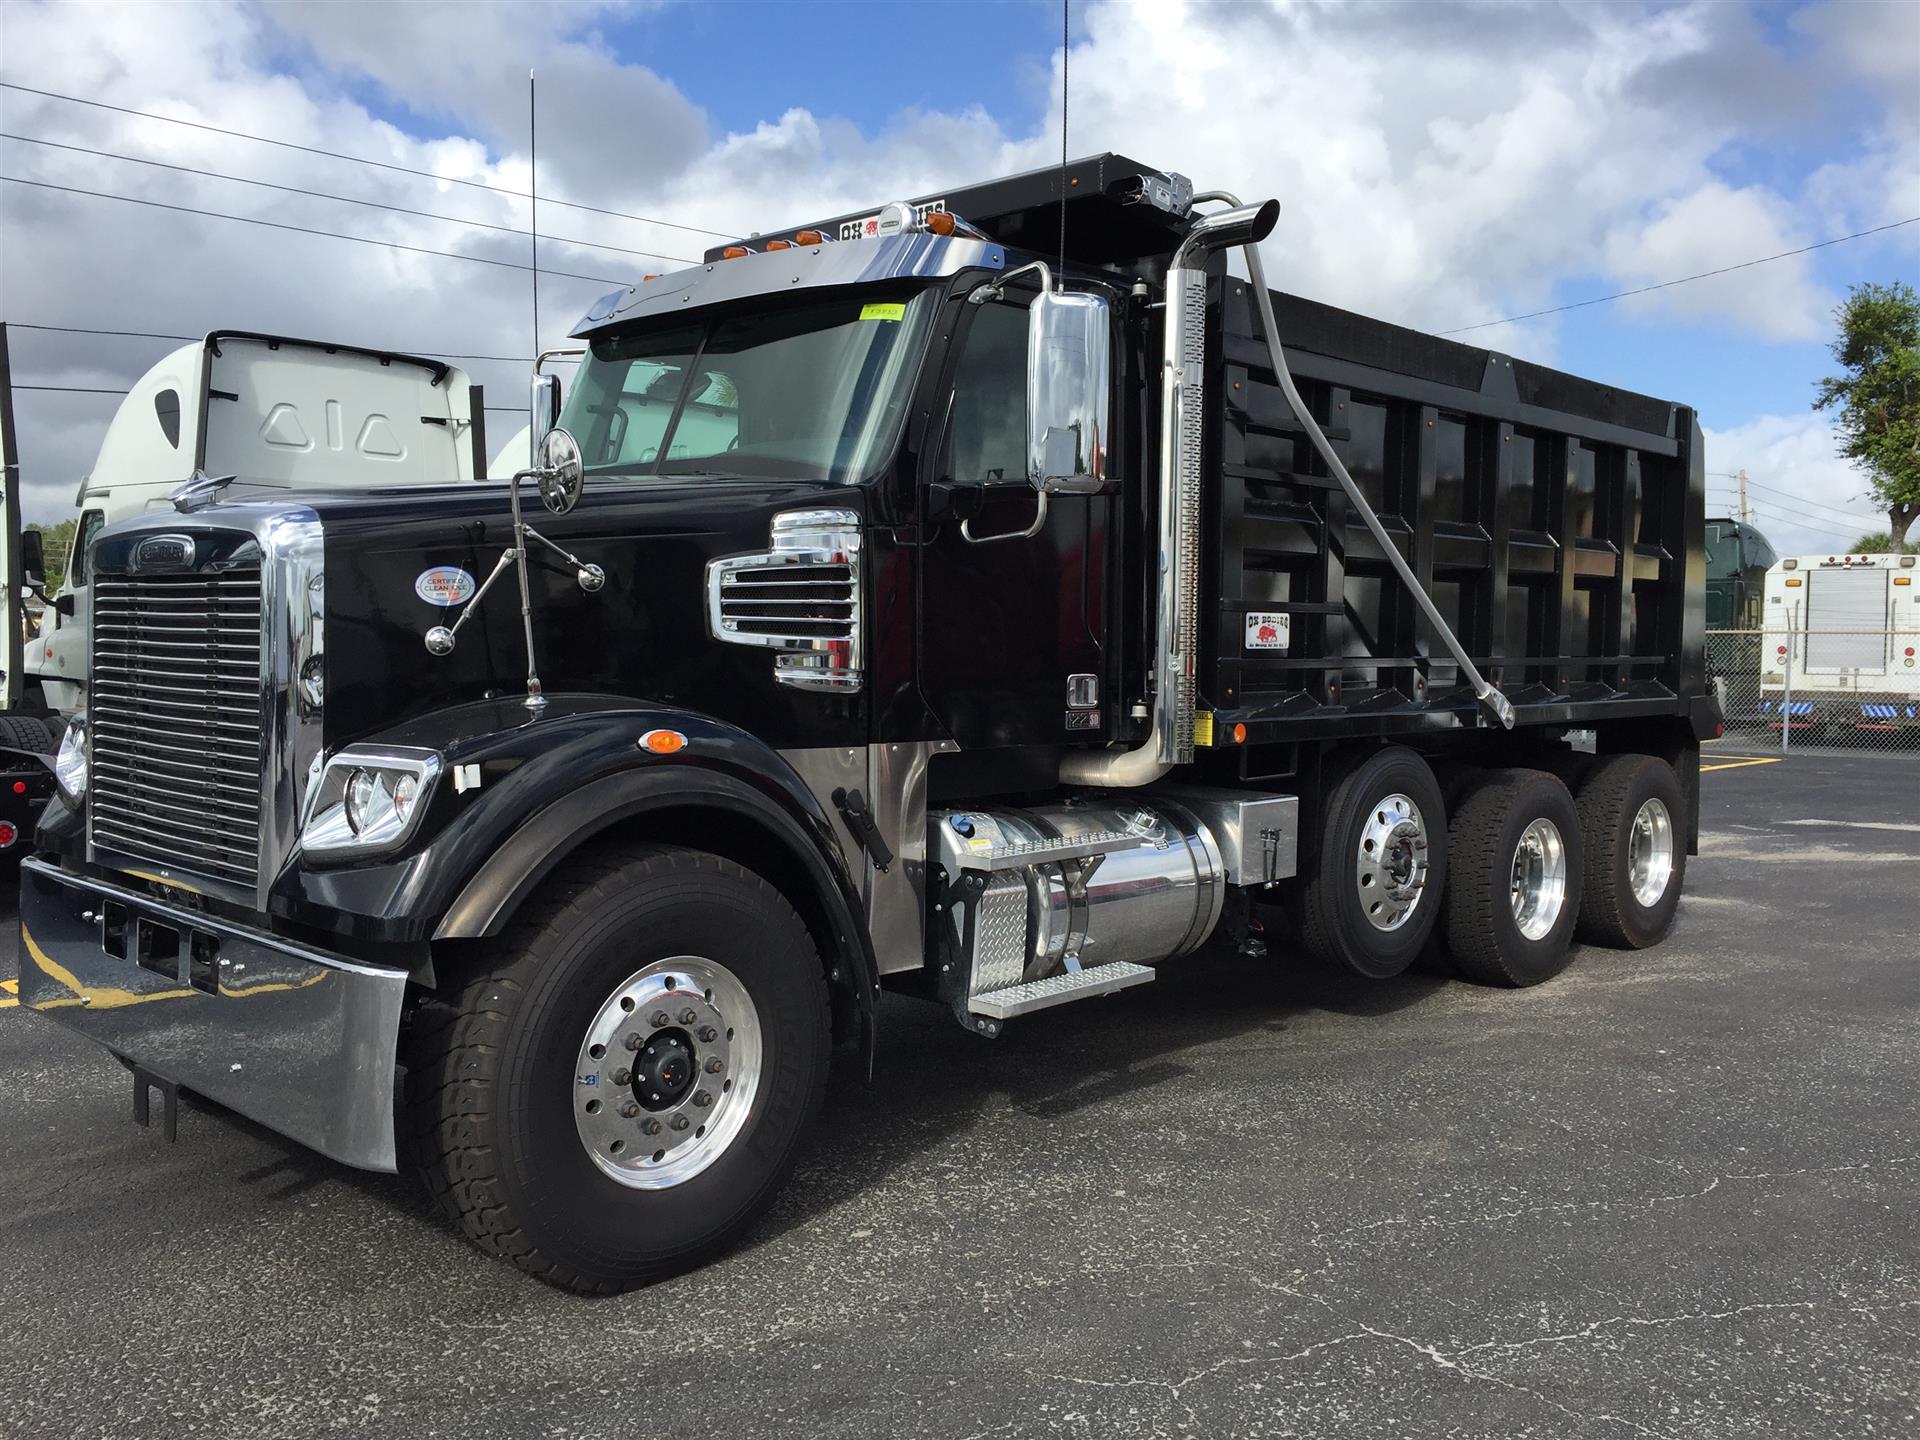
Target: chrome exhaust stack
[1182,418]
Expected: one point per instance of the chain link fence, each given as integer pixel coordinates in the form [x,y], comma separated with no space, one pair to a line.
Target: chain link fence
[1793,689]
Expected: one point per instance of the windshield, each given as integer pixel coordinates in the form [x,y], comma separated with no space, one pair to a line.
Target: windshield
[812,391]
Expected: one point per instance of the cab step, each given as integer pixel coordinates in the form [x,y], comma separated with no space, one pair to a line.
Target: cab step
[1059,989]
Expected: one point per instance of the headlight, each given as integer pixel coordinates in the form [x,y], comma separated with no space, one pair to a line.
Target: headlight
[367,802]
[70,764]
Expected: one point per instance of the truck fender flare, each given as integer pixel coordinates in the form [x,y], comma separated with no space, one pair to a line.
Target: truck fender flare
[541,842]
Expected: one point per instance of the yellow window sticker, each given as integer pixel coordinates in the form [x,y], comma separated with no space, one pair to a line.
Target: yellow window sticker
[880,310]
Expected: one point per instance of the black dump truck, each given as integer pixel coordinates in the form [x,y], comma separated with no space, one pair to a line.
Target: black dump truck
[989,598]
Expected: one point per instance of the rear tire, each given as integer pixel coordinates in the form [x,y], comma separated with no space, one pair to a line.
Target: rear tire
[1373,884]
[1513,892]
[1633,823]
[564,1180]
[26,732]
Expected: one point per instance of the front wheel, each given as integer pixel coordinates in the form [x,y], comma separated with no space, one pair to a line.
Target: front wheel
[618,1094]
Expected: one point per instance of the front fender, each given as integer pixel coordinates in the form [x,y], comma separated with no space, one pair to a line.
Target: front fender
[549,785]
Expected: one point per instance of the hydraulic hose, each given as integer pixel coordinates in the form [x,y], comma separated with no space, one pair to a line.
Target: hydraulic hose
[1497,706]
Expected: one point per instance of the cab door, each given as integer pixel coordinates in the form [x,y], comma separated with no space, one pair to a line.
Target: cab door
[1011,624]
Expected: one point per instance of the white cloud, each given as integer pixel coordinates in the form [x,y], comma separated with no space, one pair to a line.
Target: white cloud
[1711,228]
[1439,165]
[1802,494]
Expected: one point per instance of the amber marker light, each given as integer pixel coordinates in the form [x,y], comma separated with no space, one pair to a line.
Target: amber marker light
[735,252]
[809,237]
[663,742]
[939,222]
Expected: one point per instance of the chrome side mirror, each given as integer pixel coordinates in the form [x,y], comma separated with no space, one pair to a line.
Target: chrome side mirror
[1068,392]
[543,412]
[561,474]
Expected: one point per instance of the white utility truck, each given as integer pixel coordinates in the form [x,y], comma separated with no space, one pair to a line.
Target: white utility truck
[250,417]
[1838,643]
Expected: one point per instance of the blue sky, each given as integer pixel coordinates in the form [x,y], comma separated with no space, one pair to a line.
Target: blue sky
[1439,164]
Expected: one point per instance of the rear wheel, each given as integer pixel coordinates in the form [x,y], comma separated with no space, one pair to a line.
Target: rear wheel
[1632,819]
[618,1094]
[1513,891]
[1372,890]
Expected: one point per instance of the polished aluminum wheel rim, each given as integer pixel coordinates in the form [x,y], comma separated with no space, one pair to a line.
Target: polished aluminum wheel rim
[652,1127]
[1390,868]
[1539,889]
[1650,852]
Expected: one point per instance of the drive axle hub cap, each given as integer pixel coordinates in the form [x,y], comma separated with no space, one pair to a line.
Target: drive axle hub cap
[1539,889]
[667,1072]
[1391,865]
[1650,852]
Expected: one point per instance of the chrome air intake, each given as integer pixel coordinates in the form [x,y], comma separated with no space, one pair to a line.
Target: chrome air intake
[800,599]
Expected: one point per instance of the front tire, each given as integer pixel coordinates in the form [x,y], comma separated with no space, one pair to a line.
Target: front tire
[1513,892]
[596,1161]
[1372,891]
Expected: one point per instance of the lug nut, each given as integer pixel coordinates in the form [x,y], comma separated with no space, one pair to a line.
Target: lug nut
[715,1065]
[708,1035]
[689,1015]
[629,1110]
[652,1127]
[633,1042]
[623,1077]
[702,1099]
[658,1020]
[680,1122]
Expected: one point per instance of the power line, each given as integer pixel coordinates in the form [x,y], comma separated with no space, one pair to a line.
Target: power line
[71,389]
[304,229]
[1684,279]
[361,160]
[1832,512]
[162,335]
[341,199]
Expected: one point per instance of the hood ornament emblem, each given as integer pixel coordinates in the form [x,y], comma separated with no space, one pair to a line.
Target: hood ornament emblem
[561,477]
[199,491]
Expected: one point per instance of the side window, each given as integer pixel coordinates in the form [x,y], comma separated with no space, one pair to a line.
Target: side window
[90,524]
[988,437]
[166,409]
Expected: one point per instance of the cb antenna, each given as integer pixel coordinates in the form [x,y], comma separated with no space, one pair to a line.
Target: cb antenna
[1066,13]
[533,197]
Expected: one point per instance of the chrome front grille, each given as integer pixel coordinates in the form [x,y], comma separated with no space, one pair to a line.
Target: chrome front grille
[176,720]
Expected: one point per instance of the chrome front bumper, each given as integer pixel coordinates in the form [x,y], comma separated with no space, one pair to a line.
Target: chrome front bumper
[299,1040]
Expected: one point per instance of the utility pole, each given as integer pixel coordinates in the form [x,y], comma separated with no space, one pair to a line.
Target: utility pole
[1743,497]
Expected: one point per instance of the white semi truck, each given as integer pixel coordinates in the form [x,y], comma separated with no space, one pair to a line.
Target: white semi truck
[1838,645]
[256,416]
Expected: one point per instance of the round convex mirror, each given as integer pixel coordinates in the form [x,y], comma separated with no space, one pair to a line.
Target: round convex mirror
[561,474]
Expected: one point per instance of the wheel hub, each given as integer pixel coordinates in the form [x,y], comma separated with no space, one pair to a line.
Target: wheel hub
[1538,890]
[1391,865]
[667,1072]
[1650,852]
[664,1069]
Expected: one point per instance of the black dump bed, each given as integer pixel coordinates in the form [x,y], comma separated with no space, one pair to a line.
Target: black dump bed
[1558,524]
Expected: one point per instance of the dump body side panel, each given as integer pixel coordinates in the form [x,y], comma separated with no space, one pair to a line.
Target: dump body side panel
[1558,524]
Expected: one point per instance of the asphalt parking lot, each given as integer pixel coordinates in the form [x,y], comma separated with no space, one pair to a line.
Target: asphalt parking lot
[1671,1194]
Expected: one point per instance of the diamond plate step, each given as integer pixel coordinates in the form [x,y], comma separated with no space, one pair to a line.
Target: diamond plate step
[1019,854]
[1059,989]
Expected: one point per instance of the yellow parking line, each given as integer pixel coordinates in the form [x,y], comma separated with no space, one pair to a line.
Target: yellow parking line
[1734,762]
[12,987]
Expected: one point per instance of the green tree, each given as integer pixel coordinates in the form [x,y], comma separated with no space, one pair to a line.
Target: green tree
[1879,543]
[57,545]
[1878,395]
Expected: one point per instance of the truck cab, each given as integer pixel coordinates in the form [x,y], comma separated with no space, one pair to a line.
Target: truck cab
[909,601]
